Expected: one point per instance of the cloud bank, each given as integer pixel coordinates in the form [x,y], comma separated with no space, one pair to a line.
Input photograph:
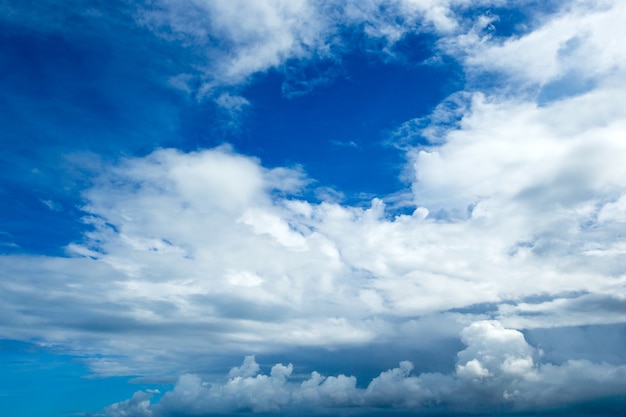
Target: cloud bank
[497,369]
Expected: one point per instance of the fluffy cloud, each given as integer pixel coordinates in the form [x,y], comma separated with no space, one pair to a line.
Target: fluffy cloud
[556,54]
[212,244]
[497,368]
[513,200]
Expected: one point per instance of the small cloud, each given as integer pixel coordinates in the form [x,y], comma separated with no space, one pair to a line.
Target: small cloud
[8,237]
[183,83]
[345,144]
[232,104]
[9,244]
[329,195]
[248,368]
[52,205]
[233,108]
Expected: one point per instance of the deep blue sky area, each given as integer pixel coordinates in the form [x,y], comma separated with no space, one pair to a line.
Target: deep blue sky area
[70,100]
[338,132]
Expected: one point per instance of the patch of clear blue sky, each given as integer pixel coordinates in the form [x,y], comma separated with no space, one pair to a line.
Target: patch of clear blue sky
[35,382]
[75,89]
[336,132]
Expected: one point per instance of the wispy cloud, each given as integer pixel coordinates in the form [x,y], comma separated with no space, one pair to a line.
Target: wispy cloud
[263,35]
[52,205]
[345,144]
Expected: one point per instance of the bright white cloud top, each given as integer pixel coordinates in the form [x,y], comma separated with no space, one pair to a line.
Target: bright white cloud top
[513,222]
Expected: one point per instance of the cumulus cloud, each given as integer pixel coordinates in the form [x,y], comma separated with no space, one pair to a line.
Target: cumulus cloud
[497,368]
[559,48]
[137,406]
[517,201]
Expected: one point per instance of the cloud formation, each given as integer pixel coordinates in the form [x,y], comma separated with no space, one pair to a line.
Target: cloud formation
[235,40]
[497,368]
[518,204]
[516,200]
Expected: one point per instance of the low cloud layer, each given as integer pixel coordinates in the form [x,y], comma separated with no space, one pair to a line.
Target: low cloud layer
[496,369]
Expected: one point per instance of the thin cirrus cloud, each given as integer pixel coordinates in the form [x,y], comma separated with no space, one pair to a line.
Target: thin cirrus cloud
[237,39]
[517,225]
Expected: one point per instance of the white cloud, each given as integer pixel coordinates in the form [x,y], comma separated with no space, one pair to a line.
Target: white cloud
[137,406]
[494,350]
[472,369]
[231,103]
[247,369]
[253,36]
[581,41]
[614,211]
[52,205]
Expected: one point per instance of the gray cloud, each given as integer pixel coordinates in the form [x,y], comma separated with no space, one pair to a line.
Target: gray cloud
[497,368]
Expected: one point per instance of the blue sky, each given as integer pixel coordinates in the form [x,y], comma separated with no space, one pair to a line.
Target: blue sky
[337,207]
